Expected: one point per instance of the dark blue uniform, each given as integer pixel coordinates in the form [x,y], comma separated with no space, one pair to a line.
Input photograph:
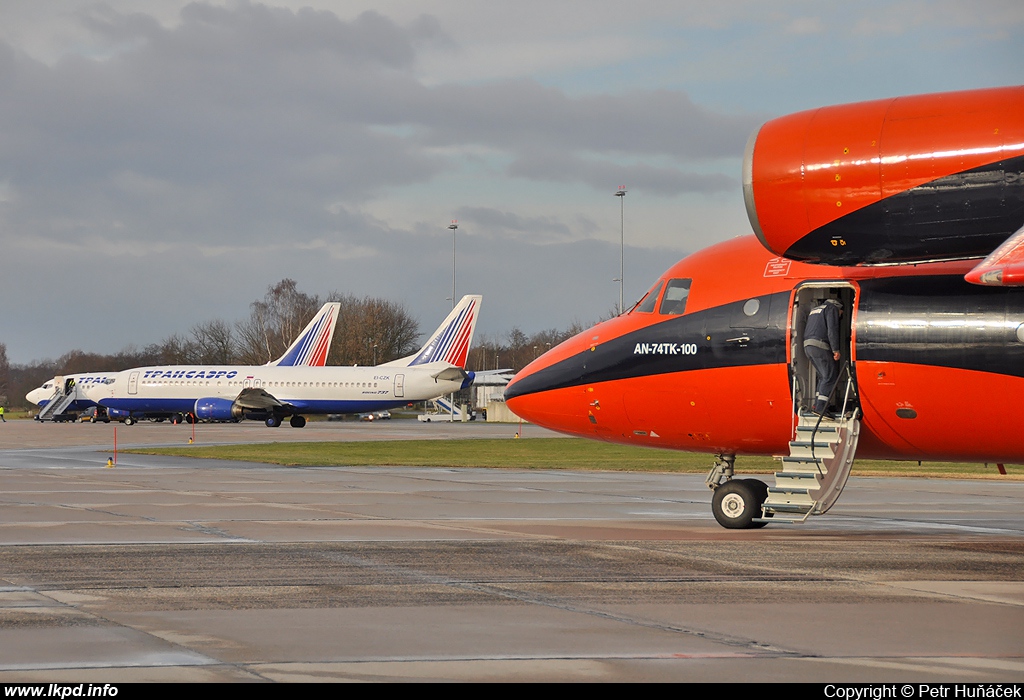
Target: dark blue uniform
[821,342]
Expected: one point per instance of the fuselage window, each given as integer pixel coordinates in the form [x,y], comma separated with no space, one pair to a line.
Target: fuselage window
[676,293]
[650,300]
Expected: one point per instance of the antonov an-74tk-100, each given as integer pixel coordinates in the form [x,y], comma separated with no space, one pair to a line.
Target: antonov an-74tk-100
[907,213]
[272,393]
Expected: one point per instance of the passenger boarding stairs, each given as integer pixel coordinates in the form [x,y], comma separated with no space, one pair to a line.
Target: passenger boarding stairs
[819,462]
[57,404]
[446,411]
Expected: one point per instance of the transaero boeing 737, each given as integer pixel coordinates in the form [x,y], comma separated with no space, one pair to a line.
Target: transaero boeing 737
[62,397]
[273,392]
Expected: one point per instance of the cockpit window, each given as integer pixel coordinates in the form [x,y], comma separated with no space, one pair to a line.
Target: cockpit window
[676,293]
[650,299]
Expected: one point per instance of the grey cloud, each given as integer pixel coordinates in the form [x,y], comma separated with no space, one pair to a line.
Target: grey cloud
[205,160]
[171,138]
[257,119]
[562,167]
[107,302]
[524,115]
[209,32]
[489,222]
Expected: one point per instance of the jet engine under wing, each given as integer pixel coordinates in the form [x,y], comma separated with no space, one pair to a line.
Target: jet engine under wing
[903,180]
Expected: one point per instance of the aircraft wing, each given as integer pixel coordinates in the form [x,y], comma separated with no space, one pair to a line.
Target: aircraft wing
[1004,267]
[492,377]
[449,374]
[258,400]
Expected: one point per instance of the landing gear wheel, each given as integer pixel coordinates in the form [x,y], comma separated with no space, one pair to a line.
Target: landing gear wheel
[129,421]
[737,502]
[297,422]
[273,422]
[760,496]
[190,418]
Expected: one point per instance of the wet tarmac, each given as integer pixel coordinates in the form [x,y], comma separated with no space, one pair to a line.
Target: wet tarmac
[182,570]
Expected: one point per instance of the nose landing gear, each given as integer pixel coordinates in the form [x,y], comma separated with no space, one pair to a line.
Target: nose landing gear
[736,503]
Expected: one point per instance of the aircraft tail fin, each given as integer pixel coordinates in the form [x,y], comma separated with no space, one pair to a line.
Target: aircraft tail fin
[450,342]
[311,347]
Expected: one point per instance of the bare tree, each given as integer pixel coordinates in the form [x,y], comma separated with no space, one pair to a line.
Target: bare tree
[214,343]
[274,322]
[371,331]
[177,350]
[518,350]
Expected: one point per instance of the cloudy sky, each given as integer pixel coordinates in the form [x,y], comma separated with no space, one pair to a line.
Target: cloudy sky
[163,162]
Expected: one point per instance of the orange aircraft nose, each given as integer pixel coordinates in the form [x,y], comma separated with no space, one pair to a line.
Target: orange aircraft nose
[555,390]
[536,398]
[530,394]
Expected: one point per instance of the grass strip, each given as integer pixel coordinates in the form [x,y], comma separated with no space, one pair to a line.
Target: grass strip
[538,453]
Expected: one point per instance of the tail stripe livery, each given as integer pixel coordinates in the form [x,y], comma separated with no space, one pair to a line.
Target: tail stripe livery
[450,342]
[460,349]
[311,347]
[449,339]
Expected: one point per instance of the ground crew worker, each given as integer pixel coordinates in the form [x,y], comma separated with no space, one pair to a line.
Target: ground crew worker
[2,414]
[821,345]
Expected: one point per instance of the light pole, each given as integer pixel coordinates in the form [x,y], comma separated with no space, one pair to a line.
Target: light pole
[621,194]
[453,226]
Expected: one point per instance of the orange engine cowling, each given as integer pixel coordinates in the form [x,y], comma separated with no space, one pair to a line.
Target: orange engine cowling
[908,179]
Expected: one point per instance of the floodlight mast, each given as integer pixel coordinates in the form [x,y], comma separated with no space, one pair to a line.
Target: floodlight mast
[453,227]
[621,194]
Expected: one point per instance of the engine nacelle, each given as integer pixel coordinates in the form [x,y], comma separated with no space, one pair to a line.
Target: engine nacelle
[909,179]
[217,409]
[118,414]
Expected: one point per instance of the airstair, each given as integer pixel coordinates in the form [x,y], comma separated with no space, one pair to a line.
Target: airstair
[444,410]
[815,471]
[57,404]
[817,467]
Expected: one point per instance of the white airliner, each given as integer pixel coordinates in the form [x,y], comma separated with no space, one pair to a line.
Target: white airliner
[309,350]
[274,392]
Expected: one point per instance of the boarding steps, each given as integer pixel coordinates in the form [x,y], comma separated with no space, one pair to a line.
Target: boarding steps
[57,404]
[445,411]
[815,471]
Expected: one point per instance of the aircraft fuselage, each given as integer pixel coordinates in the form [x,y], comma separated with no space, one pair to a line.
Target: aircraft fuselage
[937,361]
[306,390]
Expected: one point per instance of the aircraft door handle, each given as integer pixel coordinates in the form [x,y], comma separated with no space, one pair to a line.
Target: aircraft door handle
[742,340]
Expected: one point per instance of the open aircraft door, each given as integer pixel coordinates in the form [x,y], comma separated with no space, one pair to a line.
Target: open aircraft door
[802,374]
